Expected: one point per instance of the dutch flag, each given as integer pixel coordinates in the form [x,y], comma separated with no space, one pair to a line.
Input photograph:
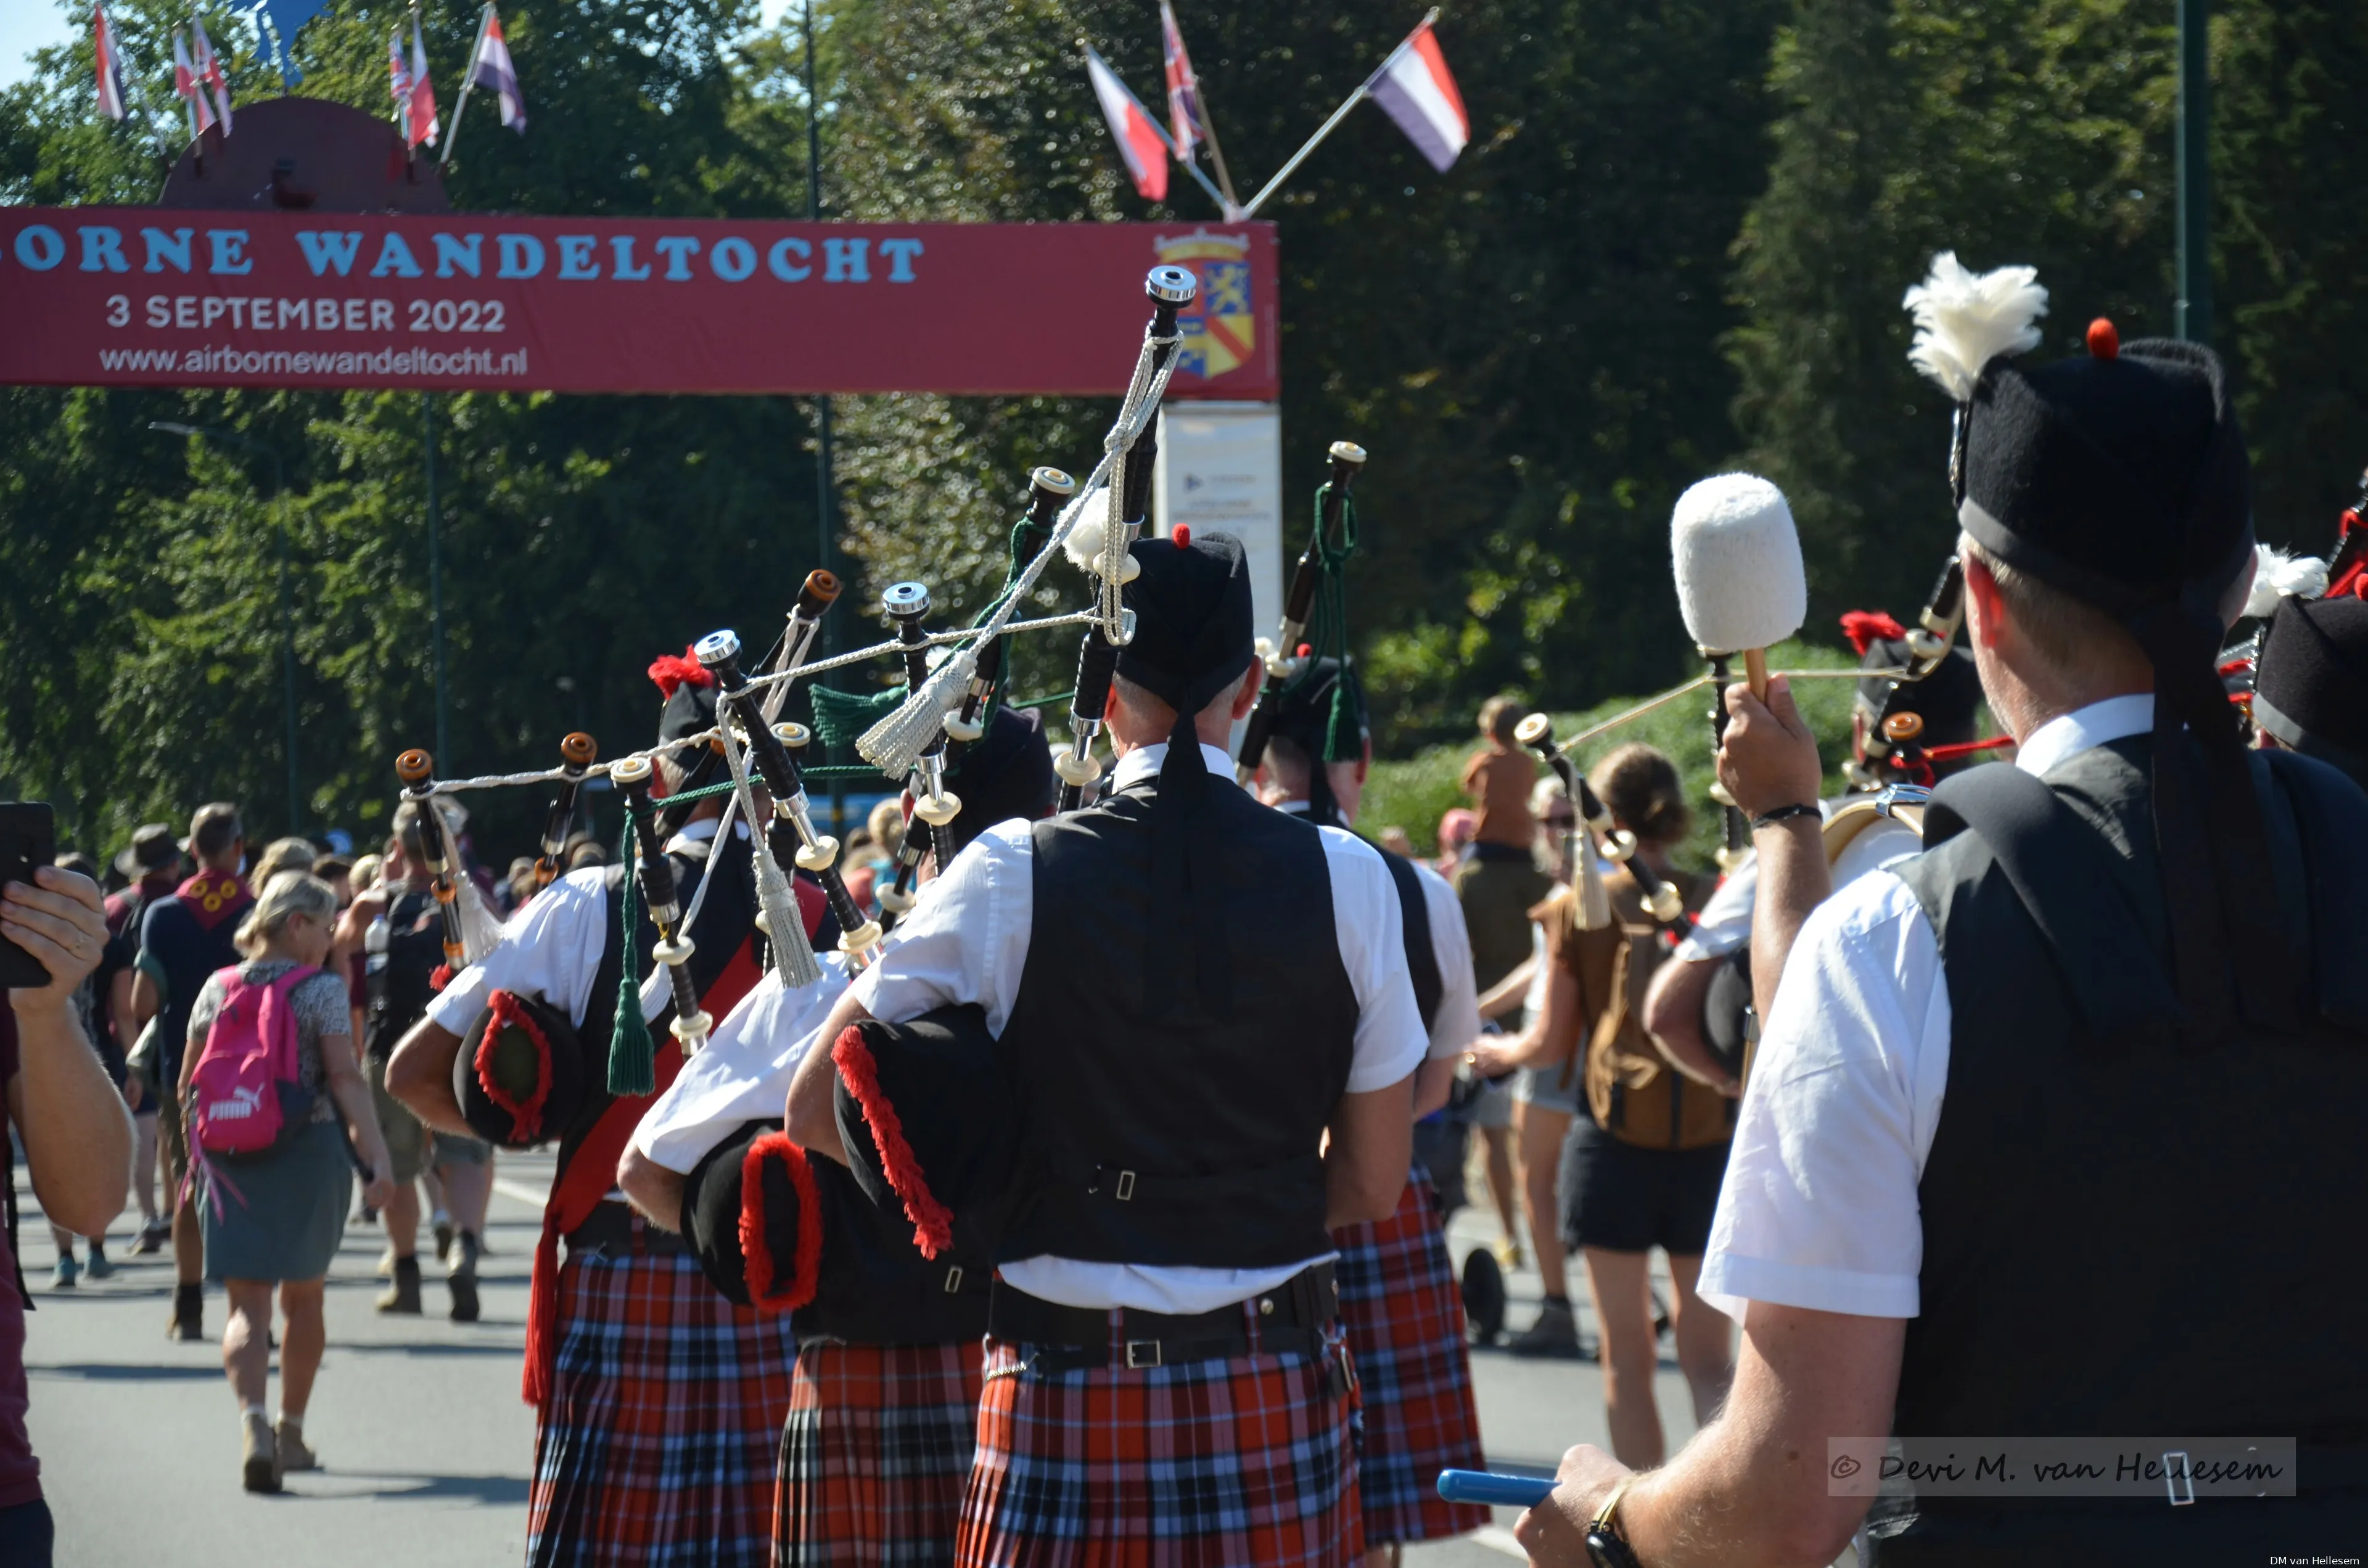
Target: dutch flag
[110,64]
[1140,141]
[1414,86]
[493,72]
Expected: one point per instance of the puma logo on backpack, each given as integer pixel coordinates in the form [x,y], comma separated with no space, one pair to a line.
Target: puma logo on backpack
[244,1091]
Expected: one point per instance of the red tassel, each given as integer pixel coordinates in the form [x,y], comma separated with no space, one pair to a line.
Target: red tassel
[1864,627]
[933,1226]
[526,1115]
[674,670]
[2104,340]
[764,1292]
[543,1315]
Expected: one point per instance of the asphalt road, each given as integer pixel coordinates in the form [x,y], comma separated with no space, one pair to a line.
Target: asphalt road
[426,1446]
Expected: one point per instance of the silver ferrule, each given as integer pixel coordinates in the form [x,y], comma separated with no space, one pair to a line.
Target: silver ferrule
[800,817]
[1081,734]
[933,771]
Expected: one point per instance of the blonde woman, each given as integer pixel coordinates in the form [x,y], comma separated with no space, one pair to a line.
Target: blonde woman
[281,855]
[281,1213]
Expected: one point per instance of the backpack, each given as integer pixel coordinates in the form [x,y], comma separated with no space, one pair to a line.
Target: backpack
[1633,1093]
[244,1096]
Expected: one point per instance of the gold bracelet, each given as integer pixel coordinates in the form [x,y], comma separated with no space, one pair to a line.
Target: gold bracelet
[1610,1505]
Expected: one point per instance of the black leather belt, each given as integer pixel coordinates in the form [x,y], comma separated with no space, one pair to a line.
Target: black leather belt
[1291,1316]
[615,1230]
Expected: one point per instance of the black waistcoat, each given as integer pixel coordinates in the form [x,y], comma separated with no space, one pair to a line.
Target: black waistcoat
[1182,1140]
[2138,1240]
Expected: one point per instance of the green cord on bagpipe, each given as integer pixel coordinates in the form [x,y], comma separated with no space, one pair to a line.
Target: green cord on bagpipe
[1327,627]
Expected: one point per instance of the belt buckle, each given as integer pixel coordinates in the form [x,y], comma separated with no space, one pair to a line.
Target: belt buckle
[1142,1354]
[953,1279]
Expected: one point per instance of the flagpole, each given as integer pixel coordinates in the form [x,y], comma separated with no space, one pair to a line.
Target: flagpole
[1224,206]
[1364,90]
[468,84]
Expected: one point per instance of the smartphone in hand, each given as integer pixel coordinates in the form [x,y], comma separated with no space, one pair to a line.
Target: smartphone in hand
[28,838]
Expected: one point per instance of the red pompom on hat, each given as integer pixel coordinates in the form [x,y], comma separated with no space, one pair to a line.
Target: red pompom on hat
[2104,339]
[1865,628]
[674,670]
[1183,534]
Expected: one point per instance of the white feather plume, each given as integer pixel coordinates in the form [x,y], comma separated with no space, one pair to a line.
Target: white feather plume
[1965,319]
[2277,575]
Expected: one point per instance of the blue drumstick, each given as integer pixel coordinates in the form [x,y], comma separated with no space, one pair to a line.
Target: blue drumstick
[1486,1486]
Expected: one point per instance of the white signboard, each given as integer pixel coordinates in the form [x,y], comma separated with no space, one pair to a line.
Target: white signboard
[1220,468]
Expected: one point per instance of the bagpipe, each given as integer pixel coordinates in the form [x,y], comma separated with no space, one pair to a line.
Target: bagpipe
[953,680]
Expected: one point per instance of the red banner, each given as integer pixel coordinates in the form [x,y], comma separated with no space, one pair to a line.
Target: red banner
[144,296]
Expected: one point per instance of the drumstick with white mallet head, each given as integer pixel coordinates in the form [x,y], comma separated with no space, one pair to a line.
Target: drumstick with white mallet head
[1740,583]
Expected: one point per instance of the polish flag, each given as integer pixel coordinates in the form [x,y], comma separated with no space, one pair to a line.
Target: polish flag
[412,89]
[110,64]
[1184,118]
[1140,141]
[1413,85]
[186,83]
[208,67]
[493,71]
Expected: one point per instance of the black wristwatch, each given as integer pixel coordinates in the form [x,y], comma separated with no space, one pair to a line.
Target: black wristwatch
[1606,1547]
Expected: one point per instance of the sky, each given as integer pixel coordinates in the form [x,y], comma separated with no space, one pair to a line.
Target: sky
[26,26]
[29,25]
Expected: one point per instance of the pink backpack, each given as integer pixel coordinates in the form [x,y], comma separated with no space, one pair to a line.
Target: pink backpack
[243,1092]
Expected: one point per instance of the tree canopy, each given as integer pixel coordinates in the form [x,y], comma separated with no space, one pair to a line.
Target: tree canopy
[1676,244]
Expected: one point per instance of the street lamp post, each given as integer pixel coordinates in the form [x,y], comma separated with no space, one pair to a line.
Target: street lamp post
[2193,316]
[822,404]
[286,608]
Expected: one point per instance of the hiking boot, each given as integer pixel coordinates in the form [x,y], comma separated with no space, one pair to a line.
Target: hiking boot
[98,1267]
[188,1324]
[403,1295]
[443,1239]
[153,1234]
[1556,1333]
[288,1433]
[463,1277]
[63,1276]
[259,1455]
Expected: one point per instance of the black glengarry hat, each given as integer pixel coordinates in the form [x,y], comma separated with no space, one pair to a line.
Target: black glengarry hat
[2119,478]
[1323,714]
[2310,682]
[1005,773]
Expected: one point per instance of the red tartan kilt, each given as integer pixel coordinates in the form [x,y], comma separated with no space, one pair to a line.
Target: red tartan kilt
[875,1454]
[1203,1464]
[1405,1319]
[658,1447]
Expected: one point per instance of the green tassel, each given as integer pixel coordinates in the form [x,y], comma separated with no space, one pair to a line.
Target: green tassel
[632,1055]
[840,716]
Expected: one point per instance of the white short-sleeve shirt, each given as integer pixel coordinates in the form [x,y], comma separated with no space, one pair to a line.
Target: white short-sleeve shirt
[552,948]
[969,945]
[1818,1209]
[744,1073]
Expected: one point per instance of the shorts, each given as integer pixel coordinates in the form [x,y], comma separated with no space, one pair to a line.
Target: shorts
[1623,1198]
[1491,1105]
[1549,1088]
[406,1139]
